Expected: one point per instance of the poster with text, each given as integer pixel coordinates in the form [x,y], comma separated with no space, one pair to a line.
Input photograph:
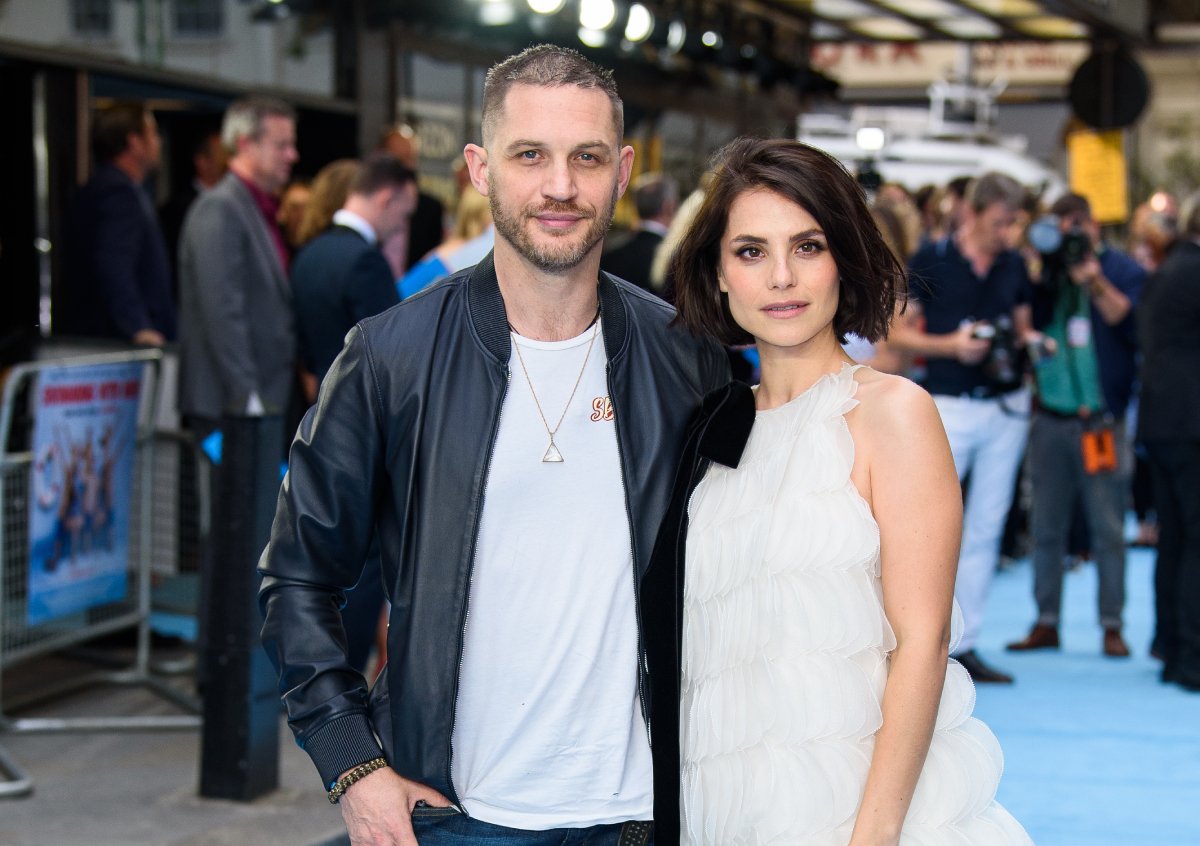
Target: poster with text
[81,487]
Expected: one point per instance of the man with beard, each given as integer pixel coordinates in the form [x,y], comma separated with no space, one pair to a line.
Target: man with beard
[510,436]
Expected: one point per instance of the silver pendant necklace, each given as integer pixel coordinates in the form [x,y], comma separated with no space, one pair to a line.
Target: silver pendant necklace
[553,455]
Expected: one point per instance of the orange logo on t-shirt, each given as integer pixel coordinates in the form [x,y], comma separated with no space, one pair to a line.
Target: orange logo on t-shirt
[601,409]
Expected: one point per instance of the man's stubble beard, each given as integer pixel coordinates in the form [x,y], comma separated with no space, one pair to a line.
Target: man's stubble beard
[566,257]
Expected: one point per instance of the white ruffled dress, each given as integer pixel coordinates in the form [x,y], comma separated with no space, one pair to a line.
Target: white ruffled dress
[785,648]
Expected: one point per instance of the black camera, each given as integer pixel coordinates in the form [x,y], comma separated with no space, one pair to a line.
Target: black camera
[1002,365]
[1008,358]
[1065,249]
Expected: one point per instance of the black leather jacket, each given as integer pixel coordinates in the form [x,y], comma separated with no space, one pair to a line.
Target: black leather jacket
[399,446]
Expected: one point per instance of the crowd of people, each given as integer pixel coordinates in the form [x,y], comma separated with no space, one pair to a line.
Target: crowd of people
[1025,323]
[690,601]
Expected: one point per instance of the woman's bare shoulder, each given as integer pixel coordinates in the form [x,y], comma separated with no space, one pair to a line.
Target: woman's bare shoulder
[895,406]
[888,389]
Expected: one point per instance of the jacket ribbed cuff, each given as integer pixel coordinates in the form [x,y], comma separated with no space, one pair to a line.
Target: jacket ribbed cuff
[340,745]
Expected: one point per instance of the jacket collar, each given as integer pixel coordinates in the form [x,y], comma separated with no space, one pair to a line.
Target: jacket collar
[486,309]
[728,417]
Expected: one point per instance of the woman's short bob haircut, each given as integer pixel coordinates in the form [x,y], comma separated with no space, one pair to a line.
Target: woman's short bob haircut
[870,277]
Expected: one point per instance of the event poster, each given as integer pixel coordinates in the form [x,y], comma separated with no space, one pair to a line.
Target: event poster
[81,487]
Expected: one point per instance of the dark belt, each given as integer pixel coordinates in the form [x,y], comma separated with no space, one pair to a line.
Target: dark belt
[635,833]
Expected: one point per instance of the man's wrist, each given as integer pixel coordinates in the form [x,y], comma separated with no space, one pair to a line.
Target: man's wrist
[353,776]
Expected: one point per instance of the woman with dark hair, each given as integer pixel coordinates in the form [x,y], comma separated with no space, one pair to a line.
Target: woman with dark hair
[812,545]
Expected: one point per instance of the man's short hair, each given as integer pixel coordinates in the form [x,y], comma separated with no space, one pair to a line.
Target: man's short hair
[992,188]
[958,186]
[112,127]
[1189,215]
[379,171]
[547,66]
[652,192]
[1069,205]
[244,118]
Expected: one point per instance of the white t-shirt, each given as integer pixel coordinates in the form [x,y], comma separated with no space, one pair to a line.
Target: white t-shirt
[548,729]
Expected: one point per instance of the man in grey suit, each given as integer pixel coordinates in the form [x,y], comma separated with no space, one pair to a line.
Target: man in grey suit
[237,325]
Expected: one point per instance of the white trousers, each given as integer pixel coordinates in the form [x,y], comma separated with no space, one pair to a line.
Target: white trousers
[987,437]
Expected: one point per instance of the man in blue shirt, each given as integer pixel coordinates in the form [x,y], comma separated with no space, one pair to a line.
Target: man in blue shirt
[1084,301]
[969,294]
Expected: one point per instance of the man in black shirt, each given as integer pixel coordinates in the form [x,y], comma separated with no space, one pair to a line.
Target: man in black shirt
[972,294]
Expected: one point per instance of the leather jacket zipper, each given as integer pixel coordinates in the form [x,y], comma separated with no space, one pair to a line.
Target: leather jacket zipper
[462,637]
[643,662]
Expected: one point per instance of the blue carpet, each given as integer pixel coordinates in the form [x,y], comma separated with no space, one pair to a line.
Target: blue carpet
[1098,752]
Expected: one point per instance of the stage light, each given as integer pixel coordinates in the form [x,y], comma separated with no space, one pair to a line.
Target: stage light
[596,15]
[711,40]
[546,7]
[640,23]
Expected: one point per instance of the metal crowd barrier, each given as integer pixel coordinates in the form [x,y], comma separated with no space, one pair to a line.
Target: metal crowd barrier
[155,518]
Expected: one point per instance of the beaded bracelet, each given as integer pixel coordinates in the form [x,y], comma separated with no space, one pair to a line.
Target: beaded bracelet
[362,770]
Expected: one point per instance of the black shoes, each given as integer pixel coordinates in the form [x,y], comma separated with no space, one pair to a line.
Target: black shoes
[979,671]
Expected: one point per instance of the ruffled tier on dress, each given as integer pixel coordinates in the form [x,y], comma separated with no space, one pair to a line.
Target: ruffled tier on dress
[785,650]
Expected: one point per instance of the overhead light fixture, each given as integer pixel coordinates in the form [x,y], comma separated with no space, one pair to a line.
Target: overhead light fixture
[592,37]
[639,24]
[1050,26]
[597,14]
[497,13]
[923,8]
[546,7]
[676,36]
[1006,8]
[870,139]
[886,29]
[841,9]
[969,27]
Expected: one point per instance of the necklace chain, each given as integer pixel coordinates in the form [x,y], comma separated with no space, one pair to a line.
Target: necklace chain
[553,448]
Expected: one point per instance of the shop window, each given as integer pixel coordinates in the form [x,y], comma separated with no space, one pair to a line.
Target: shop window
[92,17]
[203,18]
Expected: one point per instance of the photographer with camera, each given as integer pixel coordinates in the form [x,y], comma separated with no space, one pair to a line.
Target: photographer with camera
[1084,301]
[973,294]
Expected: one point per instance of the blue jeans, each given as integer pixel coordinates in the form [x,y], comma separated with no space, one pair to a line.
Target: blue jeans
[987,438]
[448,827]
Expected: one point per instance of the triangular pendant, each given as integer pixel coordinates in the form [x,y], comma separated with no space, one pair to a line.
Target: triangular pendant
[552,454]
